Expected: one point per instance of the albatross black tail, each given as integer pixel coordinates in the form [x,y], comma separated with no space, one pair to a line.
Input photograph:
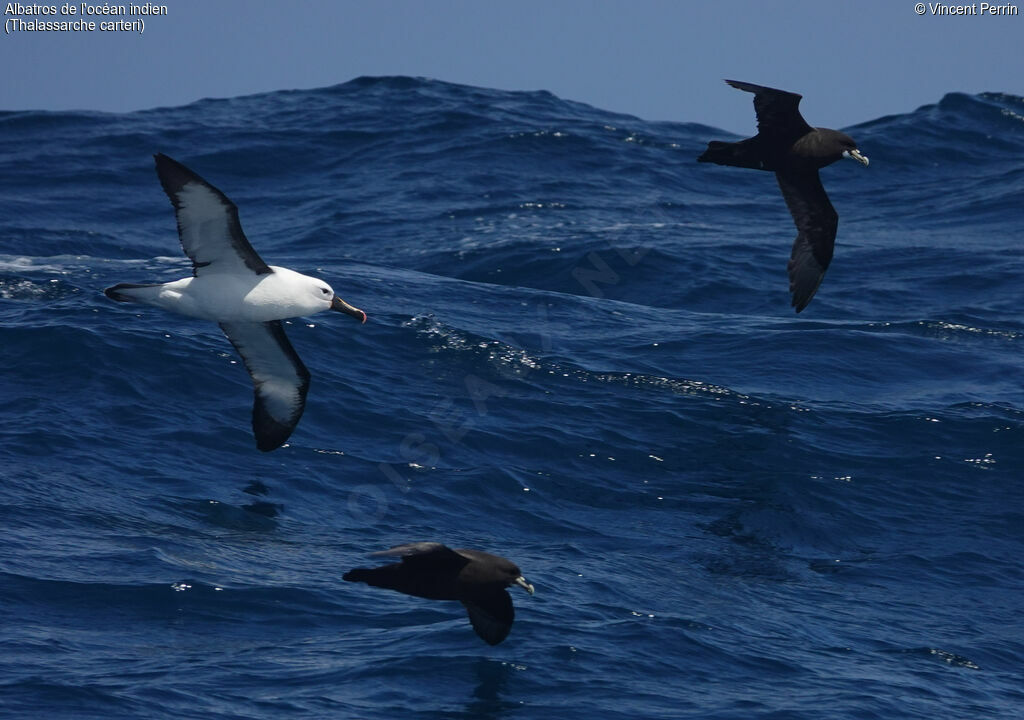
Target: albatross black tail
[122,292]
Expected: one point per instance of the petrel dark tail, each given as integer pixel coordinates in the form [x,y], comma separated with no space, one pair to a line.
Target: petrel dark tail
[388,576]
[122,292]
[415,581]
[743,154]
[357,575]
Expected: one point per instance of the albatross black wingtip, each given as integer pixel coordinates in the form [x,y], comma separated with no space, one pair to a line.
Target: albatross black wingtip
[162,160]
[270,432]
[270,435]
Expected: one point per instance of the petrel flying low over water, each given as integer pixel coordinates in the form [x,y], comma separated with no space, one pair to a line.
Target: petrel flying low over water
[786,145]
[436,572]
[232,286]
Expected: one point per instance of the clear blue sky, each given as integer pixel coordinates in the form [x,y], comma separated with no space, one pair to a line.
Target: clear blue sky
[658,59]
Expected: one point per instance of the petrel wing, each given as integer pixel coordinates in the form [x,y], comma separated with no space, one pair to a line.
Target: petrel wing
[778,113]
[491,615]
[816,223]
[418,549]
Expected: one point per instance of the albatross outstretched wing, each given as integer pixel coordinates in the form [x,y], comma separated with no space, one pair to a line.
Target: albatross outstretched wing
[280,380]
[816,223]
[208,224]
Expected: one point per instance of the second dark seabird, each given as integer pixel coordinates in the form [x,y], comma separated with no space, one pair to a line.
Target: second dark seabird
[786,145]
[436,572]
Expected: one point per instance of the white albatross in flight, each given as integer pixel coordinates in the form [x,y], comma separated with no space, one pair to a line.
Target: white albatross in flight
[232,286]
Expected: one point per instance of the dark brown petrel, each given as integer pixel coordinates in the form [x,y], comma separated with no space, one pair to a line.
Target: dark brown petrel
[434,571]
[786,145]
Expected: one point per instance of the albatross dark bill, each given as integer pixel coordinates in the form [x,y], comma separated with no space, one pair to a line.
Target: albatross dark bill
[786,145]
[434,571]
[341,306]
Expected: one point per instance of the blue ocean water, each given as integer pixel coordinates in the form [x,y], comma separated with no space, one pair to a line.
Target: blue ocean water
[580,355]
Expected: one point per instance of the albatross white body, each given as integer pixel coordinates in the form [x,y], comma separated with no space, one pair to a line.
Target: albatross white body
[232,286]
[227,297]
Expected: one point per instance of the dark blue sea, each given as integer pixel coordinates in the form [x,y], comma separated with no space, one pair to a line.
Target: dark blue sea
[580,355]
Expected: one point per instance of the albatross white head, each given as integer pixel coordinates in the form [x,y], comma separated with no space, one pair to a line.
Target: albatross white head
[303,294]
